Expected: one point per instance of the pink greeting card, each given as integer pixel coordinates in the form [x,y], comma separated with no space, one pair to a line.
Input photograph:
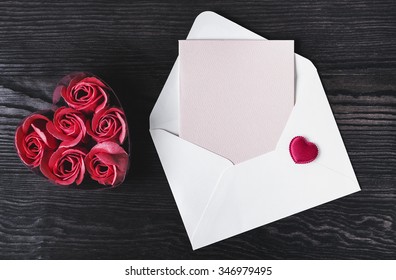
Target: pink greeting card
[235,95]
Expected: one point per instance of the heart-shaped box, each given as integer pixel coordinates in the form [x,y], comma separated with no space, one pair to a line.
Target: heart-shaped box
[84,137]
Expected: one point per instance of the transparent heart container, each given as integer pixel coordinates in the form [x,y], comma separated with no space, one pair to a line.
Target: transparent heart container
[82,141]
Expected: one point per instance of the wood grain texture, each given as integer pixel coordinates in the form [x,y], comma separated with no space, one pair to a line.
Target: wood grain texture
[132,45]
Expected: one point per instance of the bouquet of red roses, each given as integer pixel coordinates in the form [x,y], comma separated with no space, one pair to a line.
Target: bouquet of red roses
[84,136]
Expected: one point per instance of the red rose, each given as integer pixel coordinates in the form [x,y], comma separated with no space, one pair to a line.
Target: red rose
[32,139]
[108,125]
[65,166]
[87,94]
[68,126]
[107,163]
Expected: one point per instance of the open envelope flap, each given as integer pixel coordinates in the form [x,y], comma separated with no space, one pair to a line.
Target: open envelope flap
[266,189]
[165,114]
[192,172]
[312,118]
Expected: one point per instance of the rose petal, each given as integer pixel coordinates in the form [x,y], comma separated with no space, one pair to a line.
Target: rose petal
[110,147]
[19,138]
[72,142]
[119,160]
[61,111]
[43,136]
[96,118]
[104,103]
[57,94]
[123,128]
[94,81]
[88,127]
[68,181]
[56,133]
[76,79]
[45,167]
[80,178]
[115,176]
[93,105]
[30,119]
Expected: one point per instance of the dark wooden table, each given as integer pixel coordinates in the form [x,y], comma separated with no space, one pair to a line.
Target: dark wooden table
[132,45]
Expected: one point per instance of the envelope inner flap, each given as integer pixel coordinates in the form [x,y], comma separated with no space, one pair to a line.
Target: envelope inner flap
[235,95]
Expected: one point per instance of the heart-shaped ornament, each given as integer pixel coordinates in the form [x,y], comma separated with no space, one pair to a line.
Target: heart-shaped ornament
[83,138]
[302,151]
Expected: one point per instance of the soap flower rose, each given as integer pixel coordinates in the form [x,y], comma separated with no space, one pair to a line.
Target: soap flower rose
[65,166]
[107,163]
[32,139]
[68,126]
[108,125]
[85,93]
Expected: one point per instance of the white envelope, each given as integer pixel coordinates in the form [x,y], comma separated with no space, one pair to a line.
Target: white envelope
[217,199]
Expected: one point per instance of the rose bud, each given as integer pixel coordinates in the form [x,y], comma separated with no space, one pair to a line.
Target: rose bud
[107,163]
[32,139]
[68,126]
[108,125]
[86,94]
[65,166]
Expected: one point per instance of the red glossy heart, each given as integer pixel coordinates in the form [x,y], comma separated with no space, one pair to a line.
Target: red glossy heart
[302,151]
